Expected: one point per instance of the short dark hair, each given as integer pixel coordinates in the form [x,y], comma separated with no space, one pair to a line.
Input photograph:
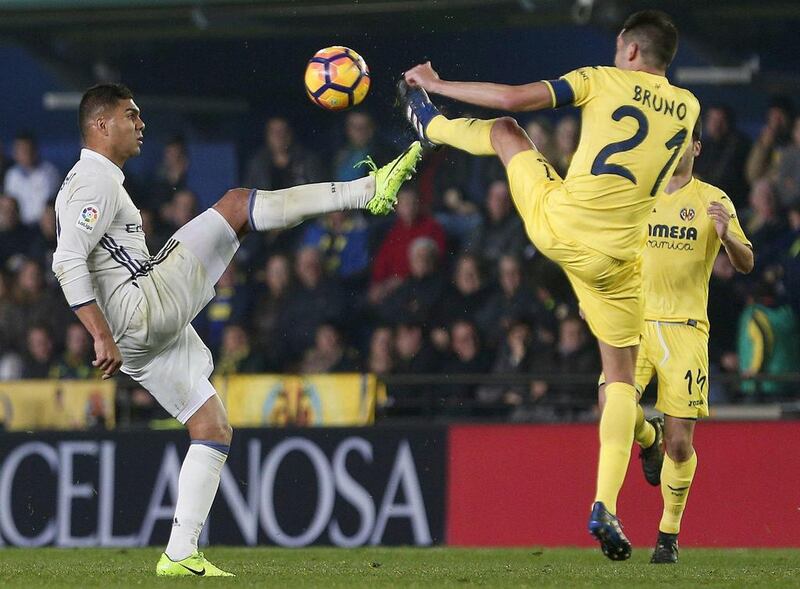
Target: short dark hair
[656,35]
[697,132]
[97,97]
[26,136]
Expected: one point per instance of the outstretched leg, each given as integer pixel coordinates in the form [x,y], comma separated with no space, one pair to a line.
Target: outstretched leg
[261,210]
[502,137]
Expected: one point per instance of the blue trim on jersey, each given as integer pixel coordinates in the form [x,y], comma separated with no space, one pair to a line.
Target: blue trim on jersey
[563,92]
[110,246]
[218,446]
[79,305]
[250,209]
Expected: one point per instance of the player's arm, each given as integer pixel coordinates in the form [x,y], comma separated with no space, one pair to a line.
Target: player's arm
[87,215]
[107,354]
[527,97]
[730,234]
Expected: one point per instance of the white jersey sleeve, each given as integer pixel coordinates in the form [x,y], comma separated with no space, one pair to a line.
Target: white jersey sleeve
[87,205]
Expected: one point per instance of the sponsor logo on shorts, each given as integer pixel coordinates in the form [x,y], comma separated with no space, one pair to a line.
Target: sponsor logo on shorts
[88,218]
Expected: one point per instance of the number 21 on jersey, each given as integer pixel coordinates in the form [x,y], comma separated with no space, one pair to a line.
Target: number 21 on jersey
[600,165]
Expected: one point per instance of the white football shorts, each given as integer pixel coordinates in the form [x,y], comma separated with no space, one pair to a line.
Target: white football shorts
[160,349]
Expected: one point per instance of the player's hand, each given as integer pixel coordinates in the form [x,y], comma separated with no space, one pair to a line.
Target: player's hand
[422,75]
[108,356]
[721,218]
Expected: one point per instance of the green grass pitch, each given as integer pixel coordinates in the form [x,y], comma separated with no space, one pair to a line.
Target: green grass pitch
[403,567]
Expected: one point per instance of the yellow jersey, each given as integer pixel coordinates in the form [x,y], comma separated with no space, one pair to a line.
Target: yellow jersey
[682,245]
[634,126]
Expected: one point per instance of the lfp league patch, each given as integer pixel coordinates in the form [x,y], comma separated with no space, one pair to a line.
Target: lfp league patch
[88,218]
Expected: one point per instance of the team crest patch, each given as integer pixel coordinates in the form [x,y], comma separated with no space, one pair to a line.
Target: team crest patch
[88,218]
[687,214]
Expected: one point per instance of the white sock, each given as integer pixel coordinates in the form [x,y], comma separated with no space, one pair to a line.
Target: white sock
[197,486]
[276,209]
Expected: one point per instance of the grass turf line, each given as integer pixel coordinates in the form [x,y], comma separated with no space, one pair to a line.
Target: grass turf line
[403,567]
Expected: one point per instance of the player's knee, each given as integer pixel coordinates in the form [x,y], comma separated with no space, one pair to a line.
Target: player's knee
[235,195]
[678,448]
[506,128]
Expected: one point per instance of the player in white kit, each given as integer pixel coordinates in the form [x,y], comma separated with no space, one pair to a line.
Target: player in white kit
[137,307]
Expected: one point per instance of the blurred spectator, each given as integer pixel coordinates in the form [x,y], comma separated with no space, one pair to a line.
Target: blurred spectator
[36,305]
[566,143]
[171,175]
[458,216]
[576,354]
[31,180]
[503,231]
[359,130]
[766,152]
[763,223]
[271,301]
[726,303]
[466,296]
[76,361]
[15,238]
[156,232]
[414,355]
[788,176]
[769,341]
[179,210]
[391,264]
[381,350]
[342,239]
[37,362]
[142,407]
[10,361]
[540,130]
[419,294]
[444,170]
[329,353]
[43,239]
[282,162]
[514,357]
[512,302]
[313,300]
[231,304]
[4,163]
[465,357]
[725,150]
[791,261]
[235,355]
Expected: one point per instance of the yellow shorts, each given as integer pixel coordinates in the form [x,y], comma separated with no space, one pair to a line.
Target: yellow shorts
[678,354]
[609,290]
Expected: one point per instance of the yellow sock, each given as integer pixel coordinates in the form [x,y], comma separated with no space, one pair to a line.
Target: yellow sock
[644,433]
[676,479]
[616,437]
[470,135]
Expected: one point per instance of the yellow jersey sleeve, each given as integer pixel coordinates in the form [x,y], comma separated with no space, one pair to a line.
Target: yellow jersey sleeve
[575,88]
[734,227]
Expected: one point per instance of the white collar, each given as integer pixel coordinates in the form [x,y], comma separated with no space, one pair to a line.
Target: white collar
[115,171]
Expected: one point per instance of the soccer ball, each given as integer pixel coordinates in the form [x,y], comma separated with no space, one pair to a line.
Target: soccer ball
[337,78]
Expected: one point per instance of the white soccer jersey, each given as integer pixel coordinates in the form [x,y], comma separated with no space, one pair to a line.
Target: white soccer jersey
[101,247]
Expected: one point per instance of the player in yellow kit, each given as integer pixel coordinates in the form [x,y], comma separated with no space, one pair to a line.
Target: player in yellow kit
[688,224]
[634,124]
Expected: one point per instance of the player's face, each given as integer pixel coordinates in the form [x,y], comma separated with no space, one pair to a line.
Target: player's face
[125,129]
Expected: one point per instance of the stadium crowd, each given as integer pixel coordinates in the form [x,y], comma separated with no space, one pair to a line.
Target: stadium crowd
[448,285]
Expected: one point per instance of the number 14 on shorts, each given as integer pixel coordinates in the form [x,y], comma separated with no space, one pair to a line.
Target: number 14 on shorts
[697,379]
